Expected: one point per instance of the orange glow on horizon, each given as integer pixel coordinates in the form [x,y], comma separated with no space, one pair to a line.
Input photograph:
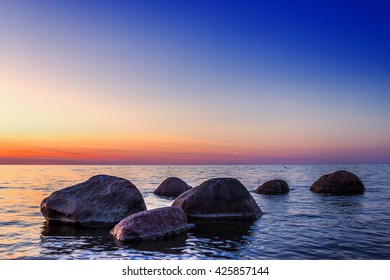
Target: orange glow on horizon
[167,150]
[164,150]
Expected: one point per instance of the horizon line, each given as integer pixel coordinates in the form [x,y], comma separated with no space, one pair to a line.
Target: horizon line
[198,164]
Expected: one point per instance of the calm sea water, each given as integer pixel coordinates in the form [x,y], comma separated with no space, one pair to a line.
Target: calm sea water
[298,225]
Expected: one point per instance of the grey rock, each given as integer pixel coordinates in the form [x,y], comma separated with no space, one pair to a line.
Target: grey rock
[151,224]
[101,201]
[219,198]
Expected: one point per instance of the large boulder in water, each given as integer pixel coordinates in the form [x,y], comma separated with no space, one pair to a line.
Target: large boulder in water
[151,224]
[98,202]
[340,182]
[219,198]
[273,187]
[172,186]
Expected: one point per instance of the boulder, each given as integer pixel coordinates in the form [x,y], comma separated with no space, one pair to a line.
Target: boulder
[151,224]
[273,187]
[219,198]
[172,186]
[98,202]
[340,182]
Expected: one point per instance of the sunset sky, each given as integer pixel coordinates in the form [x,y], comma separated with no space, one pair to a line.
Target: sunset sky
[194,82]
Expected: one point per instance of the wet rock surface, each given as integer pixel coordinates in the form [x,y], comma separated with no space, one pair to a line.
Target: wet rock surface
[151,224]
[340,182]
[273,187]
[101,201]
[219,198]
[172,187]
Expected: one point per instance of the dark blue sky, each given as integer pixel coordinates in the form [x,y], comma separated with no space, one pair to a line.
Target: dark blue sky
[255,80]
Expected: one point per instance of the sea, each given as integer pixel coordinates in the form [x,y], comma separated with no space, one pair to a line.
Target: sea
[300,225]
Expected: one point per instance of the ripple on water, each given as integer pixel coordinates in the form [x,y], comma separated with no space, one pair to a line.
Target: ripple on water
[298,225]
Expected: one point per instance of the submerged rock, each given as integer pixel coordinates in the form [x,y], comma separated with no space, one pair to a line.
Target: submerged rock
[151,224]
[219,198]
[98,202]
[273,187]
[340,182]
[172,186]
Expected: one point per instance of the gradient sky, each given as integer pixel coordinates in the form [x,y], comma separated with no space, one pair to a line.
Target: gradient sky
[194,82]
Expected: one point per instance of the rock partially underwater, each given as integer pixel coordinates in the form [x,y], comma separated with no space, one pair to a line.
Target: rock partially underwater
[340,182]
[219,198]
[172,186]
[151,224]
[273,187]
[101,201]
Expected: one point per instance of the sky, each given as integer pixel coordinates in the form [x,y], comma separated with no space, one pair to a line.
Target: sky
[194,82]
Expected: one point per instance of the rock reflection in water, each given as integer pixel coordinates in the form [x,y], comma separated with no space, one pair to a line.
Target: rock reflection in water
[218,238]
[53,229]
[60,240]
[205,239]
[169,245]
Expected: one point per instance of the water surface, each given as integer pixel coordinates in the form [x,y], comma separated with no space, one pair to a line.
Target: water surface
[297,225]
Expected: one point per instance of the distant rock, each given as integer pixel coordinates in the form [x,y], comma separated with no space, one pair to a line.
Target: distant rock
[219,198]
[172,186]
[273,187]
[340,182]
[151,224]
[98,202]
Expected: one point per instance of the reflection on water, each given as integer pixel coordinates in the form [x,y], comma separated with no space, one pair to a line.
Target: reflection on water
[61,240]
[202,237]
[297,225]
[49,229]
[218,239]
[169,245]
[221,230]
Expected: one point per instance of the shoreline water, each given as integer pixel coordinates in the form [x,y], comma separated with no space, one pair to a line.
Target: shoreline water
[298,225]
